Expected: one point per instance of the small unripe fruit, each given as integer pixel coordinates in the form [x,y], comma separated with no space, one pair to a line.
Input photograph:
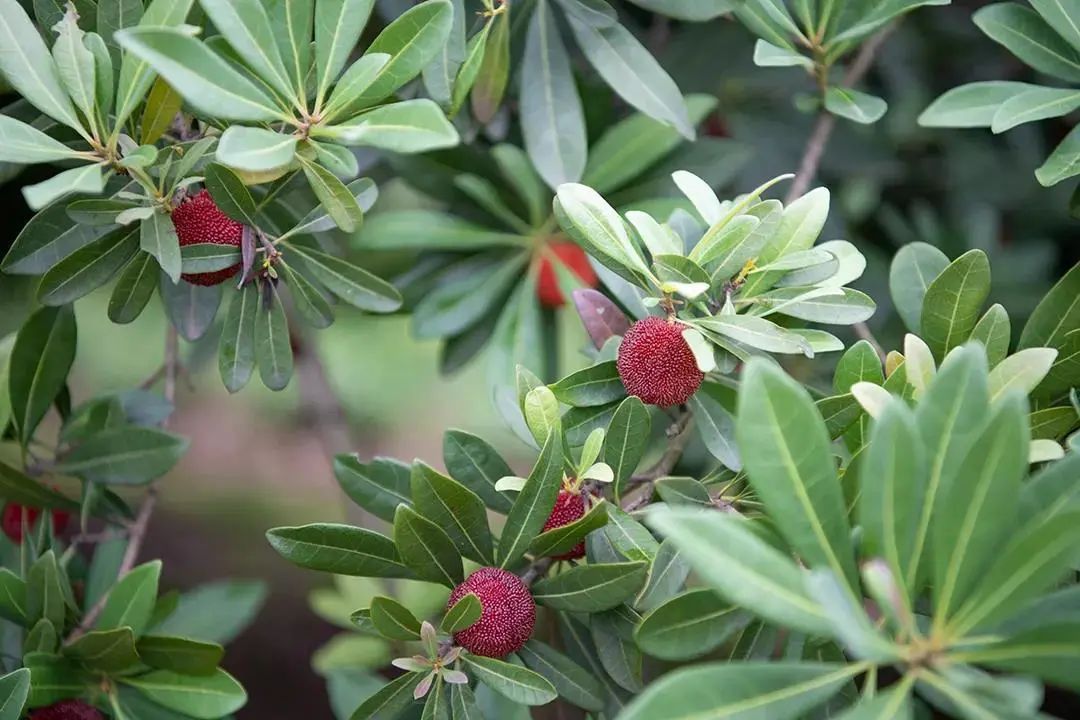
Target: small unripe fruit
[67,710]
[198,220]
[573,257]
[507,613]
[656,365]
[11,520]
[569,507]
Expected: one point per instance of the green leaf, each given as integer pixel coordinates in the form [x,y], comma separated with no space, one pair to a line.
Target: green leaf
[255,149]
[131,601]
[950,417]
[199,696]
[533,505]
[311,302]
[591,588]
[633,73]
[208,257]
[28,67]
[971,105]
[236,350]
[563,539]
[800,225]
[106,651]
[136,74]
[45,591]
[953,302]
[1021,372]
[162,104]
[489,87]
[596,385]
[391,700]
[716,427]
[425,229]
[631,146]
[462,615]
[50,236]
[913,269]
[456,509]
[75,63]
[216,612]
[768,55]
[853,105]
[477,465]
[688,626]
[516,683]
[14,689]
[88,179]
[570,680]
[246,26]
[467,296]
[157,237]
[412,41]
[691,10]
[358,78]
[208,83]
[470,68]
[19,488]
[339,549]
[894,702]
[612,636]
[1063,163]
[1030,38]
[273,350]
[627,440]
[892,485]
[338,201]
[426,548]
[758,332]
[13,597]
[409,126]
[852,627]
[88,268]
[629,537]
[124,455]
[875,16]
[994,331]
[191,308]
[133,289]
[668,570]
[53,679]
[982,499]
[595,225]
[352,284]
[439,75]
[777,690]
[393,620]
[726,554]
[552,120]
[1033,105]
[43,353]
[179,654]
[785,448]
[230,194]
[24,144]
[378,487]
[338,24]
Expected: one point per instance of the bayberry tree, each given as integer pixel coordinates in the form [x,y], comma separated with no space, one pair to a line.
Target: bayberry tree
[729,511]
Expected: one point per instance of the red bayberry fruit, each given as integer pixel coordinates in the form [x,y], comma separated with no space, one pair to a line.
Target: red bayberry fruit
[656,365]
[569,507]
[67,710]
[12,520]
[507,613]
[198,220]
[573,257]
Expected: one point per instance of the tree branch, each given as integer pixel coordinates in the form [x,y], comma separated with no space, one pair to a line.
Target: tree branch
[137,530]
[640,485]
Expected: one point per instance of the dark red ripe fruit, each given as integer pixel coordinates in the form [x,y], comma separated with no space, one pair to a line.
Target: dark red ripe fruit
[198,220]
[573,257]
[507,613]
[656,365]
[569,507]
[12,520]
[67,710]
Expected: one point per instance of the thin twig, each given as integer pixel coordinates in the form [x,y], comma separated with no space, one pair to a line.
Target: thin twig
[819,139]
[536,570]
[678,438]
[139,527]
[826,122]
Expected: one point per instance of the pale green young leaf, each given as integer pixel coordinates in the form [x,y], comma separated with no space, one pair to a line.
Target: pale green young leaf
[1030,38]
[245,24]
[255,149]
[953,302]
[157,236]
[88,179]
[338,24]
[971,105]
[29,68]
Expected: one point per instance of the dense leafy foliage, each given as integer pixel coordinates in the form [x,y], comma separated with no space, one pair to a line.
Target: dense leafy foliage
[802,526]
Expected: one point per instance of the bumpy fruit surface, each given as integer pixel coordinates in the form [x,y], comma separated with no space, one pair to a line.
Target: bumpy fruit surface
[198,220]
[67,710]
[573,257]
[12,520]
[569,507]
[507,613]
[656,365]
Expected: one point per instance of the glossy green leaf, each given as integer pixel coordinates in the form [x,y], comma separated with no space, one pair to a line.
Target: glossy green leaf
[1033,105]
[199,696]
[853,105]
[45,591]
[273,348]
[409,126]
[426,548]
[41,358]
[688,625]
[339,549]
[1030,38]
[236,349]
[338,24]
[563,539]
[515,682]
[245,24]
[179,654]
[124,455]
[533,504]
[105,650]
[391,700]
[130,602]
[351,283]
[14,689]
[255,149]
[953,302]
[88,179]
[28,66]
[570,680]
[393,620]
[592,587]
[22,143]
[915,266]
[478,466]
[462,615]
[136,74]
[454,508]
[971,105]
[626,440]
[493,75]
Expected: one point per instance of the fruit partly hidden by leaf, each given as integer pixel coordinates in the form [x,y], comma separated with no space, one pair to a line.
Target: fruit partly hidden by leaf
[507,613]
[67,710]
[199,220]
[11,518]
[656,364]
[573,257]
[569,507]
